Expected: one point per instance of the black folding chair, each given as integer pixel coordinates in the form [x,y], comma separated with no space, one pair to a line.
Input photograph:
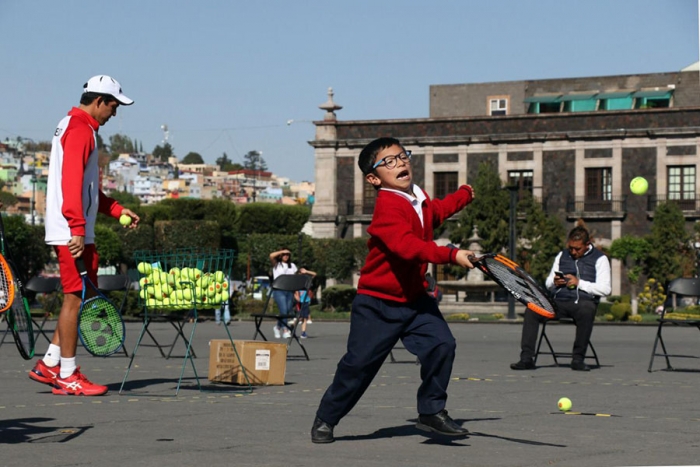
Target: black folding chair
[287,283]
[673,315]
[112,283]
[50,287]
[556,355]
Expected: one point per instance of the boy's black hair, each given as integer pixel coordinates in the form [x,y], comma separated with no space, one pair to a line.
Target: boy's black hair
[87,98]
[369,152]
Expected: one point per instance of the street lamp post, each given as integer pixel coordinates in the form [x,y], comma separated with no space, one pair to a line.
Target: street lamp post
[33,180]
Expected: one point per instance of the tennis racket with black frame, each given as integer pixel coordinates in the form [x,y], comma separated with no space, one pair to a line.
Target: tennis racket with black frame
[19,318]
[100,324]
[517,282]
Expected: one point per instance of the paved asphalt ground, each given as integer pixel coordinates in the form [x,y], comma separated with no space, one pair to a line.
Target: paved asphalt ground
[651,418]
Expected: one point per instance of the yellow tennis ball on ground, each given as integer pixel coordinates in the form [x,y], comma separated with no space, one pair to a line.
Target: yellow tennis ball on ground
[125,220]
[564,404]
[639,185]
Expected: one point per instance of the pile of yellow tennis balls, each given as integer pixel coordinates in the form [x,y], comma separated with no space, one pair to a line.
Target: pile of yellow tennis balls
[182,288]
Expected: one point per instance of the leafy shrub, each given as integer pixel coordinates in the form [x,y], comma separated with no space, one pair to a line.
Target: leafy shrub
[604,308]
[651,296]
[457,317]
[690,310]
[621,311]
[635,318]
[338,298]
[609,317]
[498,315]
[248,305]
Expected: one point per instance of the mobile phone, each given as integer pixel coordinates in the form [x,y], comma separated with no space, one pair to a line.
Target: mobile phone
[560,275]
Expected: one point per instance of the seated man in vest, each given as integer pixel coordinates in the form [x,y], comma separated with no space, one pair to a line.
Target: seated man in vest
[580,275]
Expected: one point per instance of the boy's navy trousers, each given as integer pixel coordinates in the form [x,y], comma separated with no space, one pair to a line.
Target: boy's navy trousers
[376,325]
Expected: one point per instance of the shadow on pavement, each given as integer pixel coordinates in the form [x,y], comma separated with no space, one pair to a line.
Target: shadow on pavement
[24,430]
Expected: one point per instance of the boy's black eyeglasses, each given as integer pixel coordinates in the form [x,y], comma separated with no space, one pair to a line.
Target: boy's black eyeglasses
[390,161]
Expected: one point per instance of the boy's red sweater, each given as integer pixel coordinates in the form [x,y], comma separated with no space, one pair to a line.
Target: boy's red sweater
[400,248]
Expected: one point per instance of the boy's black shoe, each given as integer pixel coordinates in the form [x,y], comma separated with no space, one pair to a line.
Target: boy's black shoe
[440,423]
[578,365]
[523,365]
[321,432]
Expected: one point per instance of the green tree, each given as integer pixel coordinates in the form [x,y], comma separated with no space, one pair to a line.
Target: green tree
[670,246]
[26,246]
[120,144]
[109,245]
[226,165]
[632,252]
[8,199]
[253,160]
[541,237]
[126,199]
[100,143]
[193,158]
[163,153]
[489,212]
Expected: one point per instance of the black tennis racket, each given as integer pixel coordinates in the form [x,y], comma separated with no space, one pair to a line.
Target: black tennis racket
[100,324]
[517,281]
[19,318]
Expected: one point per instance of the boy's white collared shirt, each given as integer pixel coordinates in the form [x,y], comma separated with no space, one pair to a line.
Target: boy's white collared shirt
[416,200]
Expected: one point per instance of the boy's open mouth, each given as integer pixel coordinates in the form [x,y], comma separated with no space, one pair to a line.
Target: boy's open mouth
[403,175]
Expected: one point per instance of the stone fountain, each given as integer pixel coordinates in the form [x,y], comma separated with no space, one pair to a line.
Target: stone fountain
[475,287]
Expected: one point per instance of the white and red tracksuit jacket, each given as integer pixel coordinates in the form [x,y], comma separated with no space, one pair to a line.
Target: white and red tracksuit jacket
[73,195]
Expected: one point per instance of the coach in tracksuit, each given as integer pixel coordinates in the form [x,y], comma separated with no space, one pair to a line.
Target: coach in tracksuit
[73,199]
[585,278]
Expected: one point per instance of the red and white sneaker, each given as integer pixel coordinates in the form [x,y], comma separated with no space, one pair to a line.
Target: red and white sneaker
[77,385]
[42,373]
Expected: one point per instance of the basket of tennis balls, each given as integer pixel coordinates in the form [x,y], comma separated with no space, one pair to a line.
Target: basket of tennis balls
[183,280]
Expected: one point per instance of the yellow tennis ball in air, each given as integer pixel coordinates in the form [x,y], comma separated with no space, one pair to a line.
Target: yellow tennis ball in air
[639,185]
[564,404]
[125,220]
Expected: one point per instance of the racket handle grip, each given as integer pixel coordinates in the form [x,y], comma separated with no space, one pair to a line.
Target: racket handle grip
[80,264]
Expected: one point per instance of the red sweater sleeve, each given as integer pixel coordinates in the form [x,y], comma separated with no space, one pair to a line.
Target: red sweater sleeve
[444,208]
[109,206]
[396,225]
[78,142]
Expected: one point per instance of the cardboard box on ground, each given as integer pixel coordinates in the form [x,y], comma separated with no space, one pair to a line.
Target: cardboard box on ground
[265,363]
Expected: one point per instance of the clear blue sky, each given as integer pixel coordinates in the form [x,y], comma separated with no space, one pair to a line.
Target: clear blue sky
[226,75]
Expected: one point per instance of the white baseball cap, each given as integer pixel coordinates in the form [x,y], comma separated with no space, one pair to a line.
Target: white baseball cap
[103,84]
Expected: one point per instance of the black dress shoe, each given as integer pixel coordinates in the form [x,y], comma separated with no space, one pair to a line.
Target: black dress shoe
[579,366]
[321,432]
[523,365]
[440,423]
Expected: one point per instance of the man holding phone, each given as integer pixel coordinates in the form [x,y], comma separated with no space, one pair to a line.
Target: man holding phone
[580,275]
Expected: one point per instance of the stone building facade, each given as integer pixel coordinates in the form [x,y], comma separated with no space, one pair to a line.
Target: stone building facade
[575,143]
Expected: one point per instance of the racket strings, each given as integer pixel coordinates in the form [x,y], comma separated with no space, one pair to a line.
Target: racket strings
[7,287]
[101,327]
[21,324]
[518,284]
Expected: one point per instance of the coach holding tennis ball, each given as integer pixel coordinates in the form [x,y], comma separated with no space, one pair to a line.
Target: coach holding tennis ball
[73,199]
